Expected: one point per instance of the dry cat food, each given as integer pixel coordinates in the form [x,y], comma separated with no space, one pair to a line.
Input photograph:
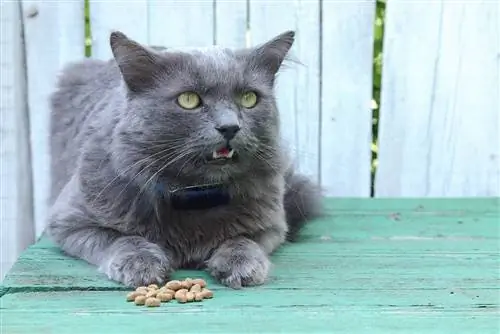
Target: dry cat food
[186,291]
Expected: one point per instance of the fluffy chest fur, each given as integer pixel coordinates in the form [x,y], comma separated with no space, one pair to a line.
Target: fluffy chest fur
[194,235]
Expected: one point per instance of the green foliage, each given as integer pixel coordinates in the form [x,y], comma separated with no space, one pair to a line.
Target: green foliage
[88,34]
[377,80]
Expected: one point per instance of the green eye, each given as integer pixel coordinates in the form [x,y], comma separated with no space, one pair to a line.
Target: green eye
[189,100]
[248,100]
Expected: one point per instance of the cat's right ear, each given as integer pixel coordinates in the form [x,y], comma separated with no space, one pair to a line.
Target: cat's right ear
[139,66]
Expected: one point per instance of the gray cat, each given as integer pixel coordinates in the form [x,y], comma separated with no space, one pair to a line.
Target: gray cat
[165,159]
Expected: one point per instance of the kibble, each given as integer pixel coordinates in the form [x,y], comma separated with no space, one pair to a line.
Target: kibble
[170,292]
[152,302]
[140,300]
[152,293]
[181,297]
[200,281]
[207,294]
[187,290]
[164,297]
[180,292]
[190,296]
[142,290]
[198,297]
[132,295]
[187,283]
[195,288]
[174,285]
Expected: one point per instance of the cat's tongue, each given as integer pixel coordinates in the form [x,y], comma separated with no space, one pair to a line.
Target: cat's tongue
[224,152]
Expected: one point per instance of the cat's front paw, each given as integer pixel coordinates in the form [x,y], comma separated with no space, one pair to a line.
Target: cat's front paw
[239,263]
[138,266]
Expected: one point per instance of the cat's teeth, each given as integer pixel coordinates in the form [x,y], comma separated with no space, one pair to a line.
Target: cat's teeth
[216,155]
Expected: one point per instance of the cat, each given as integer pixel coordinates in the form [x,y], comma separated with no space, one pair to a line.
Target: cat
[163,159]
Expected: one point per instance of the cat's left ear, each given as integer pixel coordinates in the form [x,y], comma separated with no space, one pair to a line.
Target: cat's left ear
[271,55]
[138,65]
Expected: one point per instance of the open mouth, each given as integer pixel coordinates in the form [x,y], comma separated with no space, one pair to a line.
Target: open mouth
[223,154]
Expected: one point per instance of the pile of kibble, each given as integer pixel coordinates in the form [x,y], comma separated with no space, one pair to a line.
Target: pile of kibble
[185,291]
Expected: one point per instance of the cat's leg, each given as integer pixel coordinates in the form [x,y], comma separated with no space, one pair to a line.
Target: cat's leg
[131,260]
[245,261]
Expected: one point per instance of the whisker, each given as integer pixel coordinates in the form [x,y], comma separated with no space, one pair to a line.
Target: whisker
[134,165]
[140,171]
[180,156]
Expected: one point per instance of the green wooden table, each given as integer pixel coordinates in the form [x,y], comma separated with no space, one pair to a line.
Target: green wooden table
[374,266]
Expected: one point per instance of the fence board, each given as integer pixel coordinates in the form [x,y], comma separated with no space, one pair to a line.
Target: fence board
[129,17]
[346,118]
[297,86]
[54,35]
[177,23]
[440,111]
[231,23]
[16,206]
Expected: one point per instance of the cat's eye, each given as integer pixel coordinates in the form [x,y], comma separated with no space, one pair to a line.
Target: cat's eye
[189,100]
[248,99]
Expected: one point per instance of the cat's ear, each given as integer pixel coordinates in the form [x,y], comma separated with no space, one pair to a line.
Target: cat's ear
[271,55]
[139,66]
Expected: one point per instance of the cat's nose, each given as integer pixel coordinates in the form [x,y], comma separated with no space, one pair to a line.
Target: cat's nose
[228,131]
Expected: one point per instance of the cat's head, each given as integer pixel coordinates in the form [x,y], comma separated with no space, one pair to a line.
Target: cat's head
[203,114]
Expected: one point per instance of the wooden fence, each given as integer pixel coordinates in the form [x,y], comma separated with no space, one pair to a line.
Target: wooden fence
[440,104]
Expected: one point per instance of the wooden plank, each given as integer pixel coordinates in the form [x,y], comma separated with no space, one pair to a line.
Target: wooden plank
[130,17]
[425,271]
[297,86]
[290,311]
[16,202]
[54,35]
[177,23]
[440,113]
[383,238]
[231,23]
[364,228]
[346,115]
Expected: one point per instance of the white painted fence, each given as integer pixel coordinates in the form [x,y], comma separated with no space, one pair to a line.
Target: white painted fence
[440,110]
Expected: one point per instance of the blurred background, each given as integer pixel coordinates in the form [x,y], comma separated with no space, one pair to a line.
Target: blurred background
[391,99]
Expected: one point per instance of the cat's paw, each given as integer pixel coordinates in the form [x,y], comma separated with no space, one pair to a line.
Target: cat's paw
[239,263]
[138,267]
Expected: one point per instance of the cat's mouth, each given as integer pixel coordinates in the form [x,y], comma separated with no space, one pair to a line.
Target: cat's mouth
[222,155]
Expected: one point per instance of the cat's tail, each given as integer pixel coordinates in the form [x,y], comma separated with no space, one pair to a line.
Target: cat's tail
[303,202]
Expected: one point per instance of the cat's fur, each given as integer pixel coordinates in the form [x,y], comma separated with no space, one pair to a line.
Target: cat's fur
[117,131]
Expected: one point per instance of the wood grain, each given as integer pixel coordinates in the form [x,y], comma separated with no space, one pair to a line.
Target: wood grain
[316,311]
[54,35]
[297,86]
[231,20]
[177,23]
[346,90]
[130,17]
[439,133]
[16,202]
[383,265]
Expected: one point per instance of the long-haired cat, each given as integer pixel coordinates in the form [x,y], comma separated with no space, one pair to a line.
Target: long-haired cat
[165,159]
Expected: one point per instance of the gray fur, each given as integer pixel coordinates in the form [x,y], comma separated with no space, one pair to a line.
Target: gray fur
[117,131]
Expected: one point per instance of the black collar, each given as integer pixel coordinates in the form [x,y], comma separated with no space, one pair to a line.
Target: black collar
[196,197]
